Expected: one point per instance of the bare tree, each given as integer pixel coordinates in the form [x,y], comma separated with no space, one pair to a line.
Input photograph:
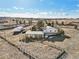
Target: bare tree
[24,22]
[62,23]
[34,28]
[20,22]
[40,24]
[30,22]
[52,24]
[17,22]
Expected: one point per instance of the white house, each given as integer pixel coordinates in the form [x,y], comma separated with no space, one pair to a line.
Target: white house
[50,29]
[18,29]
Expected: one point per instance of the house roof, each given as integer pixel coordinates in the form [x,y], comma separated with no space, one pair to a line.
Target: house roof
[50,29]
[19,28]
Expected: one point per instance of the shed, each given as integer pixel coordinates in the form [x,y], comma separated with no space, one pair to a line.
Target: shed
[35,34]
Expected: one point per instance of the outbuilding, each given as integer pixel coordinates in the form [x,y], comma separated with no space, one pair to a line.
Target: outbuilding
[35,34]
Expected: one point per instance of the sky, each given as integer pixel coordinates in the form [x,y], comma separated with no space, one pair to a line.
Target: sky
[40,8]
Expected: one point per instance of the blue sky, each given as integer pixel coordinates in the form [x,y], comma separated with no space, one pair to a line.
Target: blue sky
[62,8]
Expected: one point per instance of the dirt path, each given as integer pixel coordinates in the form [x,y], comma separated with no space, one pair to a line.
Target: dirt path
[71,45]
[7,51]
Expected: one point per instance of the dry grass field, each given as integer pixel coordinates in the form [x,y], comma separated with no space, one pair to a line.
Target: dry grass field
[7,51]
[70,45]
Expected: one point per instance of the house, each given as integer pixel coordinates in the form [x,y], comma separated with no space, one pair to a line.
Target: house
[17,30]
[52,32]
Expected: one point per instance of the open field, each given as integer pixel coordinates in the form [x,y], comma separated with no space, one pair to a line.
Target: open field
[70,45]
[7,51]
[32,49]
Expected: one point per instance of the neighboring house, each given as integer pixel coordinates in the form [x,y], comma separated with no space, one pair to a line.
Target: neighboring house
[17,30]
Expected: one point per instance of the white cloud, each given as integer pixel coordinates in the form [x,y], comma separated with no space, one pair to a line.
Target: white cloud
[77,5]
[41,0]
[21,8]
[40,15]
[8,9]
[77,11]
[5,9]
[18,8]
[15,7]
[0,8]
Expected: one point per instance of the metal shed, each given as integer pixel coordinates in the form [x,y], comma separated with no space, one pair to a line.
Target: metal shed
[35,34]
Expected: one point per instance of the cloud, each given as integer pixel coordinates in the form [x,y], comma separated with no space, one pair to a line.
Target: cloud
[18,8]
[77,5]
[15,7]
[5,9]
[8,9]
[41,0]
[0,8]
[50,14]
[29,15]
[21,8]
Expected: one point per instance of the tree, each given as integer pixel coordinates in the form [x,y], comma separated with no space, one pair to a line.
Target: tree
[52,24]
[62,23]
[75,26]
[16,21]
[30,22]
[46,21]
[57,23]
[49,24]
[13,19]
[24,22]
[20,22]
[40,24]
[33,28]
